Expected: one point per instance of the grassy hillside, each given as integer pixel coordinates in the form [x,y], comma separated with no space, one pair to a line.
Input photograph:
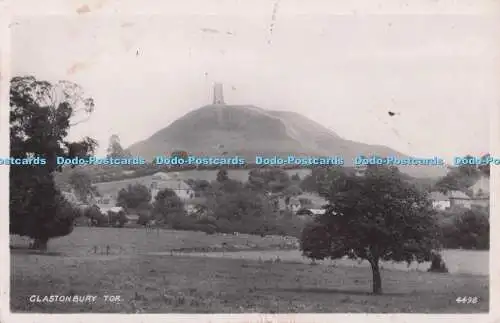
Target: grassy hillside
[248,131]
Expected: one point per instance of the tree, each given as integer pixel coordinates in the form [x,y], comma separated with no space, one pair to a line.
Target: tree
[273,180]
[82,184]
[133,196]
[485,167]
[41,114]
[222,175]
[96,217]
[448,183]
[378,216]
[118,219]
[462,177]
[320,179]
[292,190]
[167,206]
[470,229]
[200,186]
[115,149]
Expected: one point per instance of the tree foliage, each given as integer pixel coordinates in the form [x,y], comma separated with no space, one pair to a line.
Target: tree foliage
[222,175]
[133,196]
[319,179]
[378,216]
[82,185]
[201,187]
[167,206]
[117,219]
[41,114]
[461,178]
[272,180]
[115,149]
[469,229]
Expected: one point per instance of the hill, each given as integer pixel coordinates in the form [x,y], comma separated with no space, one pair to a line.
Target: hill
[247,131]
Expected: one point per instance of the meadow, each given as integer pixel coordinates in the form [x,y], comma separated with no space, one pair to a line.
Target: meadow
[241,175]
[172,282]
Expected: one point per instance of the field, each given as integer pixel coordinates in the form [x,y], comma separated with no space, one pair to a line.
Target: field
[241,175]
[176,283]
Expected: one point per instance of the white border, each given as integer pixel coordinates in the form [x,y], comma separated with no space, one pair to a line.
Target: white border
[257,7]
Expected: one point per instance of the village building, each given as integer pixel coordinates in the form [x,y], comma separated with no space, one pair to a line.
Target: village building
[451,199]
[440,201]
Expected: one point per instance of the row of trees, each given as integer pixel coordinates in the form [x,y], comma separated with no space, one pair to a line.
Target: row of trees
[226,206]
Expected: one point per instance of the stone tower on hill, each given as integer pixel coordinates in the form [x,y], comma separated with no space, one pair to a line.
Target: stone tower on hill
[218,94]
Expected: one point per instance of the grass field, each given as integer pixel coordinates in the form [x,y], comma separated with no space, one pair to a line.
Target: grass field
[111,188]
[165,284]
[84,241]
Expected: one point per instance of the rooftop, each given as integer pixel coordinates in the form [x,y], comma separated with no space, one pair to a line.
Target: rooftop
[458,195]
[438,196]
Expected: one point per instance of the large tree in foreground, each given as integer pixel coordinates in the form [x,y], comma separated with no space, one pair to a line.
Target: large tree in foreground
[378,216]
[41,114]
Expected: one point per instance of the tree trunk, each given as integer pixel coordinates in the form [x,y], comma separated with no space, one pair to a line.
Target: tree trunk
[40,244]
[377,280]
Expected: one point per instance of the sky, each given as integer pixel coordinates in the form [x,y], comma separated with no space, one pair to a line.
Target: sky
[435,72]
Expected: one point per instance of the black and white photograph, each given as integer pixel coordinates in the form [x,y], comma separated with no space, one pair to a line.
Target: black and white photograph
[281,157]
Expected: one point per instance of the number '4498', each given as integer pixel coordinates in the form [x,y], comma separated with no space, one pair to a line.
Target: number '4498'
[467,300]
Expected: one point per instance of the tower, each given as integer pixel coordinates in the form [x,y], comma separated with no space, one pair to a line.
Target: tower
[218,94]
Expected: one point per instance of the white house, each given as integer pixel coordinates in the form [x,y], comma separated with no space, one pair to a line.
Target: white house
[442,201]
[181,188]
[458,198]
[439,201]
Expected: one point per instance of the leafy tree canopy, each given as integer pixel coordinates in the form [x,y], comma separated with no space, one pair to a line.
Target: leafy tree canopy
[378,216]
[41,115]
[133,196]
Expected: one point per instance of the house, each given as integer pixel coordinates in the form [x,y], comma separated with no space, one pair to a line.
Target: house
[106,203]
[162,181]
[311,206]
[301,201]
[459,198]
[132,218]
[439,200]
[360,170]
[480,201]
[311,201]
[311,212]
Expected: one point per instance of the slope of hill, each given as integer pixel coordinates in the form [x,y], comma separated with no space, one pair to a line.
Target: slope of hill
[247,131]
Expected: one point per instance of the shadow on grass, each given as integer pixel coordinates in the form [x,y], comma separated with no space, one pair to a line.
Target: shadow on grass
[27,251]
[335,291]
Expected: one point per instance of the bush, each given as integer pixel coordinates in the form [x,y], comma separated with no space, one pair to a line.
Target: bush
[96,217]
[118,219]
[437,264]
[469,229]
[143,219]
[207,220]
[134,196]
